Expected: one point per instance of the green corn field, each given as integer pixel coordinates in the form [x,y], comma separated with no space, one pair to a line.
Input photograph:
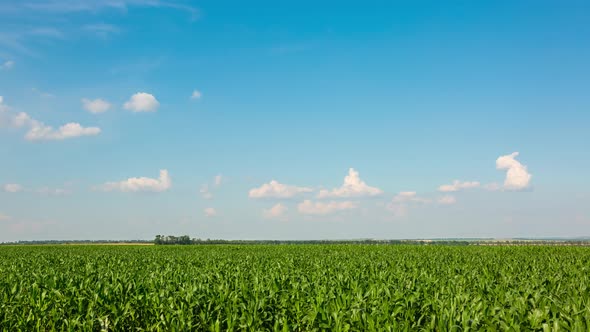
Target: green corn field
[294,288]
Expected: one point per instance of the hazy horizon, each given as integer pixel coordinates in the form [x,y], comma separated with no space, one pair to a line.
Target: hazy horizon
[294,121]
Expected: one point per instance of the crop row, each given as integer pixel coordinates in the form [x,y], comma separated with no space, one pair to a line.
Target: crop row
[294,288]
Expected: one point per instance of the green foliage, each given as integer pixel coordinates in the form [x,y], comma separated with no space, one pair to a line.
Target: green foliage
[294,288]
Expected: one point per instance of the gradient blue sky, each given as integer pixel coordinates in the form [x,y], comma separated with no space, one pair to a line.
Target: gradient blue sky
[411,94]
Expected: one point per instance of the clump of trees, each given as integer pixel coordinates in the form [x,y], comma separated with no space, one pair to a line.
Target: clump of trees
[171,239]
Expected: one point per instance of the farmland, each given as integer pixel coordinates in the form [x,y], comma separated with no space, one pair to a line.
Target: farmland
[294,288]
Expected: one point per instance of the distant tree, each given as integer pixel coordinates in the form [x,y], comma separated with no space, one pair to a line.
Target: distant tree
[185,239]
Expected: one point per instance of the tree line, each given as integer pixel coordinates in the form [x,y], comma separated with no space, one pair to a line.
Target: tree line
[187,240]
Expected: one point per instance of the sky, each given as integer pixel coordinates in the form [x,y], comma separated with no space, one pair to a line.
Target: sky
[124,119]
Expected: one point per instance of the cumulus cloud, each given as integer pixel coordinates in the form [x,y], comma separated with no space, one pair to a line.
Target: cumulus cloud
[196,95]
[274,189]
[458,185]
[353,187]
[447,200]
[324,208]
[142,102]
[38,131]
[13,188]
[276,211]
[7,65]
[141,184]
[210,212]
[42,132]
[517,175]
[95,106]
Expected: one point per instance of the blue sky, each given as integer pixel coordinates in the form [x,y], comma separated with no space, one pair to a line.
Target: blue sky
[124,119]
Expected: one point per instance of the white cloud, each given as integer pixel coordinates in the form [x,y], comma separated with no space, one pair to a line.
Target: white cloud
[324,208]
[96,106]
[43,94]
[141,184]
[41,132]
[142,102]
[353,187]
[205,192]
[276,211]
[13,187]
[447,200]
[196,94]
[102,30]
[401,202]
[458,185]
[38,131]
[210,212]
[22,119]
[95,6]
[274,189]
[206,189]
[517,175]
[492,186]
[218,180]
[50,32]
[53,191]
[4,217]
[3,107]
[9,64]
[398,210]
[409,196]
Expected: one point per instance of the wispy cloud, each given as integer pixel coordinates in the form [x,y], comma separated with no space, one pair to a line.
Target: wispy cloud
[401,203]
[47,191]
[289,48]
[46,32]
[42,94]
[458,186]
[66,189]
[210,212]
[102,30]
[95,6]
[7,65]
[276,211]
[196,95]
[12,188]
[18,40]
[207,189]
[31,19]
[447,200]
[274,189]
[324,208]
